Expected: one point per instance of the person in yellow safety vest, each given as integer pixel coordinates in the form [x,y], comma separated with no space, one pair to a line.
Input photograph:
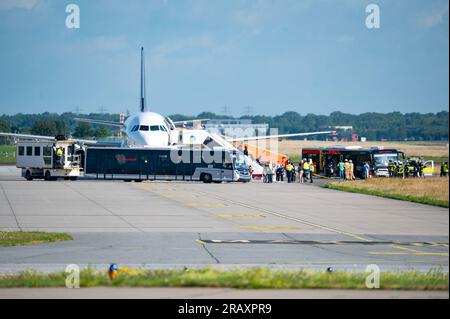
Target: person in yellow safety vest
[59,155]
[306,169]
[347,170]
[351,170]
[444,169]
[311,170]
[289,168]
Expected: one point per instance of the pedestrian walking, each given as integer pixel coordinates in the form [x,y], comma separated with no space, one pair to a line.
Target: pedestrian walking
[351,170]
[301,178]
[347,170]
[311,170]
[341,167]
[305,169]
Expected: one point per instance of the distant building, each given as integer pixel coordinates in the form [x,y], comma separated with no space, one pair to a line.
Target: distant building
[236,128]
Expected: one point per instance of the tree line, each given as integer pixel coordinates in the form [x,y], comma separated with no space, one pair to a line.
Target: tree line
[374,126]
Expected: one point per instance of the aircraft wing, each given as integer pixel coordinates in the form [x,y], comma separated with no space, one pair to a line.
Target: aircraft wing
[99,122]
[28,136]
[280,136]
[43,138]
[190,121]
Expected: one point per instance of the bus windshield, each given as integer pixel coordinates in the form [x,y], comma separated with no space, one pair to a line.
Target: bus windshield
[383,159]
[239,163]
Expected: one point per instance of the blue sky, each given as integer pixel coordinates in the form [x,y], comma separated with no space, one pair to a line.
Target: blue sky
[311,56]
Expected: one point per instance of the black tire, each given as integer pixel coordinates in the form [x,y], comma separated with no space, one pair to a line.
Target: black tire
[206,178]
[28,176]
[138,180]
[48,176]
[74,178]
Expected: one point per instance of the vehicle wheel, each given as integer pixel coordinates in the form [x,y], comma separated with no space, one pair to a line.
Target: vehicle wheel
[28,176]
[48,176]
[74,178]
[206,178]
[138,180]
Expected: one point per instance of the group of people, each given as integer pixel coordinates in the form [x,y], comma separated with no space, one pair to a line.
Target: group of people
[304,172]
[408,168]
[346,170]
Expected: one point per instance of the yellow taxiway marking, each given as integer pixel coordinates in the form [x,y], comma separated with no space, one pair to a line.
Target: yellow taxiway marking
[405,248]
[200,241]
[407,253]
[236,215]
[179,195]
[271,227]
[204,204]
[298,220]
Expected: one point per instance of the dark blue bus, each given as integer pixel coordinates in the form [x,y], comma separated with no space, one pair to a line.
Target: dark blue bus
[173,163]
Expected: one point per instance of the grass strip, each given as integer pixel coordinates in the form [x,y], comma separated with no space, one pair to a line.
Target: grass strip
[253,278]
[405,197]
[7,154]
[18,238]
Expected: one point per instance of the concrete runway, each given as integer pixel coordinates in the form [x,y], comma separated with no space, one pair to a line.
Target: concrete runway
[214,293]
[177,224]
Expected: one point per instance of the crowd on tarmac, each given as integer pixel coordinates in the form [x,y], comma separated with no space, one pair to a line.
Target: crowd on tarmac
[345,170]
[303,173]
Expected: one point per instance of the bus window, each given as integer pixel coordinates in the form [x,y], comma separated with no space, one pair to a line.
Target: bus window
[37,151]
[29,150]
[383,159]
[47,152]
[21,150]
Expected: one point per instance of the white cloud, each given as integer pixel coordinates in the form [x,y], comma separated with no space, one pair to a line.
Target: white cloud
[434,18]
[20,4]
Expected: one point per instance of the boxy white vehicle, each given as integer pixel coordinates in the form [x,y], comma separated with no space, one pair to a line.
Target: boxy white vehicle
[49,160]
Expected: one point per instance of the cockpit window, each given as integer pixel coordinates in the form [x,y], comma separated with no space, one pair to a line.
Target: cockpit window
[163,128]
[135,128]
[143,128]
[154,128]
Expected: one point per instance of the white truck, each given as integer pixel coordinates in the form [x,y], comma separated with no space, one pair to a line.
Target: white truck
[49,160]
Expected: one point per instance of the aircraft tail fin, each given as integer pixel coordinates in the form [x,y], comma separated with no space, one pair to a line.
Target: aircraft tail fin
[143,102]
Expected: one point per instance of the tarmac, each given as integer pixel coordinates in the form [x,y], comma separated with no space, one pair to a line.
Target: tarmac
[214,293]
[230,225]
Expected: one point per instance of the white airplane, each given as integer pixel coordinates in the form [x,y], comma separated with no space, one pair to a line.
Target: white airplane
[149,129]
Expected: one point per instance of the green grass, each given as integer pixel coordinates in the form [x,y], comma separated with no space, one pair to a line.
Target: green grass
[17,238]
[254,278]
[410,198]
[437,160]
[7,154]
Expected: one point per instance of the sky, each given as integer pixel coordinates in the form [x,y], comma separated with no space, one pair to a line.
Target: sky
[235,56]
